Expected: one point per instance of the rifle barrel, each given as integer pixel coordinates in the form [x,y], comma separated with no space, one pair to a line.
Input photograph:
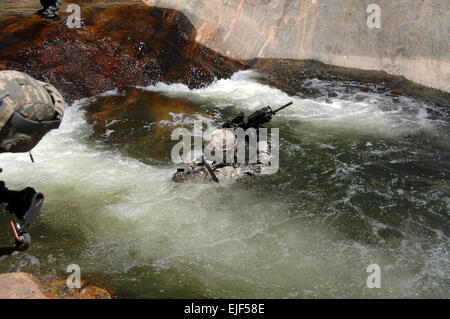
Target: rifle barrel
[284,106]
[210,171]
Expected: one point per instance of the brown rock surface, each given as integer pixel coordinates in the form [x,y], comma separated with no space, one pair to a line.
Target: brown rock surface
[19,286]
[58,290]
[26,286]
[117,46]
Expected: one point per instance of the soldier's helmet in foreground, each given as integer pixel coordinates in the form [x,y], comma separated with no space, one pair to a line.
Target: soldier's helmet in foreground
[29,109]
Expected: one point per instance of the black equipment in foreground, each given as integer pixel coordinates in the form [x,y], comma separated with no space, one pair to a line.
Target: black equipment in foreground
[255,120]
[26,205]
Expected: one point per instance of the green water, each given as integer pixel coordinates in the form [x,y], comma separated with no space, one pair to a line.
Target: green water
[363,179]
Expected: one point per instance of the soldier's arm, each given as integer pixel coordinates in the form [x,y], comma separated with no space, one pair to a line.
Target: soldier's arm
[264,156]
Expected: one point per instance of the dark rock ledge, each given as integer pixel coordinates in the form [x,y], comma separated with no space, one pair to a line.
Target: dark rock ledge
[116,46]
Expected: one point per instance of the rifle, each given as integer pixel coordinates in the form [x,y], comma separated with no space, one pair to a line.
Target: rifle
[210,171]
[255,120]
[235,121]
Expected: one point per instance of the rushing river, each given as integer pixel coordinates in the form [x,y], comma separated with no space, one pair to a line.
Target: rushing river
[363,179]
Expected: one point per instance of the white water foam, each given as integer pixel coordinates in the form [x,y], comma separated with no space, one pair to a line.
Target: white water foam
[373,115]
[115,215]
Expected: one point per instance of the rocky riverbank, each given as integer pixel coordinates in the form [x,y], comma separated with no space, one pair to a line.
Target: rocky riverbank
[26,286]
[125,44]
[117,46]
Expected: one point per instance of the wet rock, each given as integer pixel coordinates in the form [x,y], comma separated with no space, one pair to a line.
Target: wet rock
[59,290]
[307,92]
[360,97]
[26,286]
[117,46]
[332,94]
[19,286]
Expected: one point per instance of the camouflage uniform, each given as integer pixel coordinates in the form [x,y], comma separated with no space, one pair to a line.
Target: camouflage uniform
[197,172]
[28,110]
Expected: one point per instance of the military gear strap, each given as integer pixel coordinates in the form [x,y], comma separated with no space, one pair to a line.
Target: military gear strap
[5,113]
[57,98]
[25,125]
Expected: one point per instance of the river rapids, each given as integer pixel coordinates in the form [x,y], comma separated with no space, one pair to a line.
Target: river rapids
[363,179]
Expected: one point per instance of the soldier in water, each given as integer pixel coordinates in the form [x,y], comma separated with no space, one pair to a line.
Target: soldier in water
[50,8]
[208,168]
[29,109]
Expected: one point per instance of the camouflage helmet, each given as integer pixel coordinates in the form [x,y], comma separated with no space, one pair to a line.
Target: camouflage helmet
[219,146]
[222,140]
[29,109]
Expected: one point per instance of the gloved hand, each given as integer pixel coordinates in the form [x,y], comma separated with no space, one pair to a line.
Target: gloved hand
[18,202]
